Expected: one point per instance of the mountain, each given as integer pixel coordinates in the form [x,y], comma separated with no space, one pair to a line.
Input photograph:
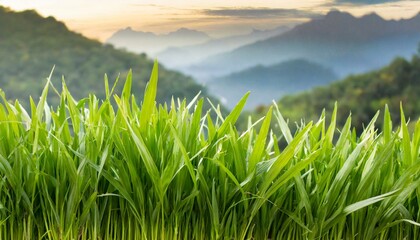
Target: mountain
[338,40]
[198,52]
[268,82]
[150,43]
[361,95]
[30,45]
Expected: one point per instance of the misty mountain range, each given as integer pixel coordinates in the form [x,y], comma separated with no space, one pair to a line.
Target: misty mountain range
[266,62]
[195,53]
[151,43]
[194,46]
[339,40]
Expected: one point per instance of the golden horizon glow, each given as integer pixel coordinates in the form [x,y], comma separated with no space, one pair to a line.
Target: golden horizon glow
[100,21]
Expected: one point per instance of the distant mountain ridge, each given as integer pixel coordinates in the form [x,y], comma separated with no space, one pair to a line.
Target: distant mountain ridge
[341,27]
[151,43]
[339,40]
[197,52]
[267,83]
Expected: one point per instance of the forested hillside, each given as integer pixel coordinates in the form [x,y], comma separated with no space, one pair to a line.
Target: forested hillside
[31,45]
[361,95]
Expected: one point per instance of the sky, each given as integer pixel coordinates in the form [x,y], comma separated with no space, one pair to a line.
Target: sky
[100,19]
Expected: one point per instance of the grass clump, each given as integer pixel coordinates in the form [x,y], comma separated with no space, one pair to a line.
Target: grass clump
[88,170]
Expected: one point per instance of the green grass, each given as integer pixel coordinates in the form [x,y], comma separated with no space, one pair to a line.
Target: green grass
[88,170]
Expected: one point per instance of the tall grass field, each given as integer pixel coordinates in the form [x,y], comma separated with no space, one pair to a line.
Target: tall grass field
[121,168]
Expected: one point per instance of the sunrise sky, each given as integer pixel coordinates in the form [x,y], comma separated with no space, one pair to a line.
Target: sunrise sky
[99,19]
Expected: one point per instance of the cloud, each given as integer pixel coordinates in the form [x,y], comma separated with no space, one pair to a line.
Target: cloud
[259,13]
[366,2]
